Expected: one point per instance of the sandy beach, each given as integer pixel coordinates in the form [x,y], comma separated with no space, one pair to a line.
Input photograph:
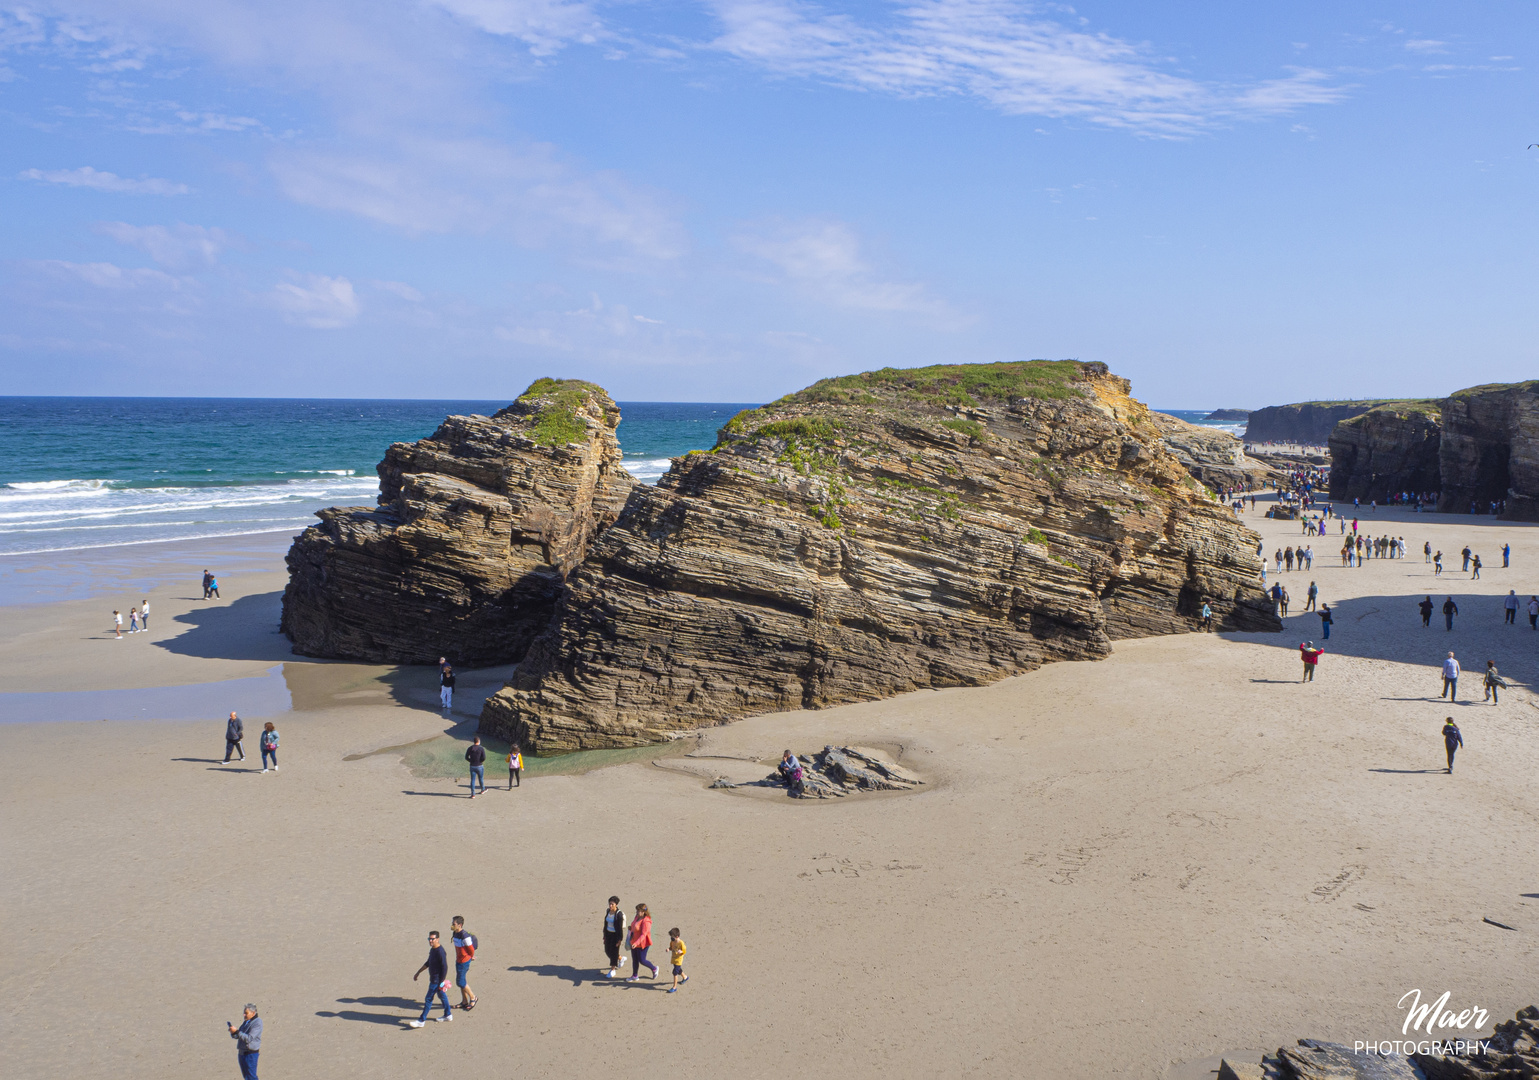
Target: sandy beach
[1114,868]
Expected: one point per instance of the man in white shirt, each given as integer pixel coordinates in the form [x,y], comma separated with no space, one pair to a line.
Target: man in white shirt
[1450,678]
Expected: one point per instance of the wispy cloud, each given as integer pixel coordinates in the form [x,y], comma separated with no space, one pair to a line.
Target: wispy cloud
[824,260]
[178,246]
[316,301]
[1426,45]
[87,177]
[111,276]
[542,25]
[425,185]
[1002,54]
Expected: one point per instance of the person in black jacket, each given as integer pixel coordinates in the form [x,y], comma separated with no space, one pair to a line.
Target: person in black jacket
[1452,740]
[476,755]
[614,933]
[234,731]
[446,686]
[437,967]
[1450,609]
[1426,611]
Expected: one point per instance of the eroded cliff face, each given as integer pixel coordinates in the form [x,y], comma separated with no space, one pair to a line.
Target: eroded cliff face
[1490,449]
[877,534]
[1216,458]
[476,527]
[1307,422]
[1390,448]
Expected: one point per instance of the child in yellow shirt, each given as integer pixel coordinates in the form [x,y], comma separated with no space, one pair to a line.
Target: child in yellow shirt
[676,952]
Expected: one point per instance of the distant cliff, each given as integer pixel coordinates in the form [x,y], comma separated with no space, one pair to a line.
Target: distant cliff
[876,534]
[1308,422]
[475,529]
[1489,450]
[1389,448]
[1228,415]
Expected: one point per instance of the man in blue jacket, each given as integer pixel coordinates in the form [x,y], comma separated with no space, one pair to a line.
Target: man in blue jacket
[248,1042]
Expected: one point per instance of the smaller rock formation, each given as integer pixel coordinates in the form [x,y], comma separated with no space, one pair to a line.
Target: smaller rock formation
[1389,448]
[1490,450]
[1214,457]
[475,530]
[1308,423]
[837,771]
[1228,416]
[1511,1051]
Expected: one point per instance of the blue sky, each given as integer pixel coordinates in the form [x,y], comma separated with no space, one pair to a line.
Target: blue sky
[1232,205]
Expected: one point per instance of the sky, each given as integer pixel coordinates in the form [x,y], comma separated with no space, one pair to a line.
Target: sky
[1233,205]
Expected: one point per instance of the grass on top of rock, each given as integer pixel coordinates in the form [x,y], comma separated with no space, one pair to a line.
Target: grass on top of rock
[557,402]
[946,384]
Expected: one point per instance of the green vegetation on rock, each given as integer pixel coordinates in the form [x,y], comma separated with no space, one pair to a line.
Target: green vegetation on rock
[946,384]
[971,428]
[556,402]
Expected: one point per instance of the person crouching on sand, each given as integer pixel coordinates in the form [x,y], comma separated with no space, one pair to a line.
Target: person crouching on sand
[641,940]
[1311,657]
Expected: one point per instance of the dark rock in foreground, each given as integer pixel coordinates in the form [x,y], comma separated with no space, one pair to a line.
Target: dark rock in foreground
[475,529]
[1513,1051]
[877,534]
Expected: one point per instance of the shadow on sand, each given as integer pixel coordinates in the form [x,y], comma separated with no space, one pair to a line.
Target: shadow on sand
[375,1017]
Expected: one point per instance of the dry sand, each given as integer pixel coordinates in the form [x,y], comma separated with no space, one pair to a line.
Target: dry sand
[1116,866]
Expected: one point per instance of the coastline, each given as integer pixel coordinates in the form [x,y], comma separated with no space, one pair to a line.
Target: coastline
[1114,867]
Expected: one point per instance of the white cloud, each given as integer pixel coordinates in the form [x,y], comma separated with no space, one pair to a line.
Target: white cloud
[824,259]
[543,25]
[998,52]
[111,276]
[313,300]
[401,289]
[178,247]
[88,177]
[1426,45]
[425,185]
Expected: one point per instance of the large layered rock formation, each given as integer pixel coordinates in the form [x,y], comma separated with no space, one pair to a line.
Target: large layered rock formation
[1490,449]
[475,529]
[1307,422]
[1390,448]
[876,534]
[1216,458]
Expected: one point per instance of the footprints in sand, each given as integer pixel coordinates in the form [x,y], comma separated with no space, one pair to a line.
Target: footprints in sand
[1198,819]
[1331,890]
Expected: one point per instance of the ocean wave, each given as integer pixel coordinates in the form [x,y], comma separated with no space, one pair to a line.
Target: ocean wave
[42,489]
[238,531]
[648,469]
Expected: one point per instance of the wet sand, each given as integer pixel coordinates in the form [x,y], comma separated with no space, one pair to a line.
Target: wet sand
[1115,867]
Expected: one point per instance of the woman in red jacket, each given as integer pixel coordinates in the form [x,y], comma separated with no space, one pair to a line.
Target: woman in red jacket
[641,940]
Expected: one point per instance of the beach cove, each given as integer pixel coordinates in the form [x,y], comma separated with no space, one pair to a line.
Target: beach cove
[1114,867]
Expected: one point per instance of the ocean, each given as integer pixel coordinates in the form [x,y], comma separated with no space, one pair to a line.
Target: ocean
[80,473]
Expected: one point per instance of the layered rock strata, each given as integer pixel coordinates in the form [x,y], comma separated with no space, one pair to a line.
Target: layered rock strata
[1489,451]
[475,530]
[1216,458]
[876,534]
[1390,448]
[837,771]
[1308,423]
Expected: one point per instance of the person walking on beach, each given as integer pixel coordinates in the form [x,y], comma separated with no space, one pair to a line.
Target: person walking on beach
[269,745]
[1465,555]
[475,753]
[446,687]
[1325,622]
[614,933]
[464,952]
[1207,617]
[641,941]
[1475,569]
[1450,678]
[1284,602]
[1437,564]
[515,767]
[1311,657]
[1511,605]
[1492,681]
[1426,611]
[1506,556]
[117,623]
[144,615]
[1426,551]
[248,1041]
[1452,740]
[676,951]
[1309,597]
[437,967]
[213,586]
[207,577]
[234,731]
[133,619]
[1450,609]
[1533,612]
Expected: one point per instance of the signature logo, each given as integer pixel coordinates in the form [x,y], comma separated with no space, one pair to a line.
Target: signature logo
[1433,1015]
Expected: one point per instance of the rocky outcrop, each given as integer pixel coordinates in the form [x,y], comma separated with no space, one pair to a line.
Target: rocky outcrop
[876,534]
[1511,1051]
[1230,416]
[1490,450]
[837,771]
[1308,423]
[475,530]
[1389,448]
[1216,458]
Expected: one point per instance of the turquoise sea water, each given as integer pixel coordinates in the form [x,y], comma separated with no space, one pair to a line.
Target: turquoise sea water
[98,472]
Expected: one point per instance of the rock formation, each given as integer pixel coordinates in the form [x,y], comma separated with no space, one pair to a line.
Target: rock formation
[1228,415]
[876,534]
[475,529]
[1392,447]
[1308,422]
[1214,457]
[837,771]
[1490,450]
[1511,1051]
